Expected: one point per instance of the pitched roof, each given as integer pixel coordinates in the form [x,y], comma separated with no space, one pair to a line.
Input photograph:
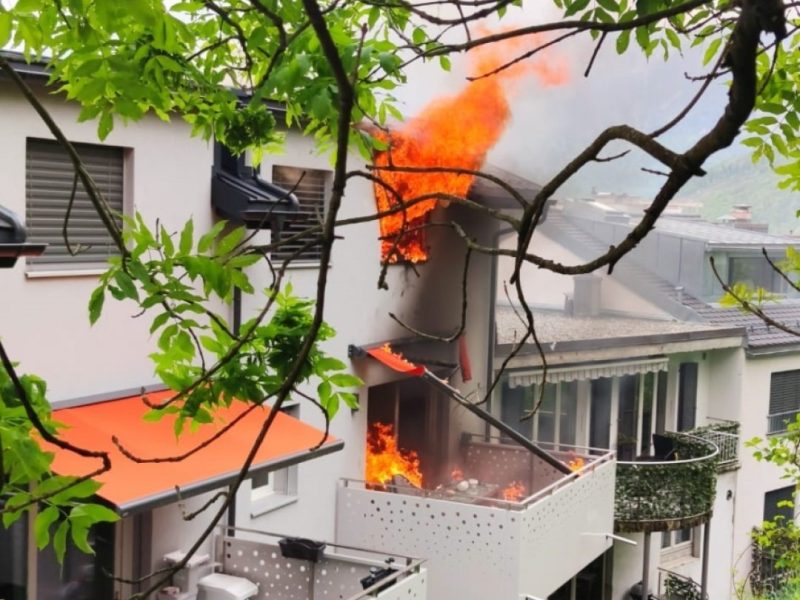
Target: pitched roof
[680,304]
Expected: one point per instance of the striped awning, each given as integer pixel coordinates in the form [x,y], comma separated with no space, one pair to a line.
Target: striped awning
[530,377]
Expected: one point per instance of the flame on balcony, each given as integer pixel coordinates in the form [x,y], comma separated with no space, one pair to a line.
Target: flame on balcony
[452,132]
[514,492]
[576,463]
[457,475]
[385,459]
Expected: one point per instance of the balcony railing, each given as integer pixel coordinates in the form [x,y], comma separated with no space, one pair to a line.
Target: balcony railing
[341,571]
[777,422]
[480,546]
[664,495]
[725,436]
[674,586]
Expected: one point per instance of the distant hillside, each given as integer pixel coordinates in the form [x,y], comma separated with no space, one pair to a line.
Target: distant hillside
[739,181]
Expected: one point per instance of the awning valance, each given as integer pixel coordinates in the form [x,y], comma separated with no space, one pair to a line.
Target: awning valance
[132,486]
[524,378]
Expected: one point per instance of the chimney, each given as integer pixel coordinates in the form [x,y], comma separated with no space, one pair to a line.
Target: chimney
[586,298]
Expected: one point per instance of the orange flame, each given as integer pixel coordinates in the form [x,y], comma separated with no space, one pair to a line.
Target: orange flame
[457,474]
[453,132]
[514,492]
[385,459]
[576,464]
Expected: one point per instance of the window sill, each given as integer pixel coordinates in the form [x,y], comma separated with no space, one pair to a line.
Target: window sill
[675,556]
[265,504]
[58,274]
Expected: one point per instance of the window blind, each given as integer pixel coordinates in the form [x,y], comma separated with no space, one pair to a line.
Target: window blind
[310,187]
[48,184]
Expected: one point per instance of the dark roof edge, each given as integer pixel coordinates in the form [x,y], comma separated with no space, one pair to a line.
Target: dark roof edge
[36,69]
[772,350]
[622,342]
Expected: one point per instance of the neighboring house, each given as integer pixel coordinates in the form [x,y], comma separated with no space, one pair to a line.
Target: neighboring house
[95,374]
[646,350]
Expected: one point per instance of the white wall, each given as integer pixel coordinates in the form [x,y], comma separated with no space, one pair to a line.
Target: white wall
[44,320]
[545,289]
[755,478]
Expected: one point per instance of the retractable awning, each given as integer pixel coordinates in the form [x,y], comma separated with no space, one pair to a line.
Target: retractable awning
[386,356]
[529,377]
[132,486]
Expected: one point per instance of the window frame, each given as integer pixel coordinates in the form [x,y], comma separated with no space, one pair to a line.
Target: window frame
[774,426]
[279,487]
[310,258]
[39,267]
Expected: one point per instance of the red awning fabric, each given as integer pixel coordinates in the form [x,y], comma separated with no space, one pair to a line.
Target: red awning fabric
[395,361]
[132,486]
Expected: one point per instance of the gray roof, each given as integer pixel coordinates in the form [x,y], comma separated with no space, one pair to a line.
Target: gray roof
[721,235]
[490,194]
[556,329]
[684,306]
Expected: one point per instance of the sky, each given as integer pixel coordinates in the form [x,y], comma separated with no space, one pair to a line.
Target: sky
[550,125]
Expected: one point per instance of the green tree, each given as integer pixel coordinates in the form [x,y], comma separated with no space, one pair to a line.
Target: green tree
[333,65]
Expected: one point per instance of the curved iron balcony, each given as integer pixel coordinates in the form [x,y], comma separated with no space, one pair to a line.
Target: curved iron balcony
[664,495]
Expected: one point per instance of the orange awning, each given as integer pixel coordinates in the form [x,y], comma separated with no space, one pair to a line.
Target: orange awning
[132,486]
[395,361]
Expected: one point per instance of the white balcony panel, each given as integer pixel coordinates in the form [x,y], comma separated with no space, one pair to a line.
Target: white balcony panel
[476,552]
[337,575]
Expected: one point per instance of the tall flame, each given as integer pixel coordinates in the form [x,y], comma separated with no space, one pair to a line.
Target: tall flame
[452,132]
[385,459]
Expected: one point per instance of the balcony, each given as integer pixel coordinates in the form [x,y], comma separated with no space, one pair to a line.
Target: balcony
[479,544]
[664,495]
[340,572]
[725,436]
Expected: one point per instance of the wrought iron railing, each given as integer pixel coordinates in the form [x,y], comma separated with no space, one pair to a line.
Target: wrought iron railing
[771,573]
[674,586]
[665,495]
[777,422]
[725,436]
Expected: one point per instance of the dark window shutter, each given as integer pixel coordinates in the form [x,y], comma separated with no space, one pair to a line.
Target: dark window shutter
[784,399]
[773,498]
[310,187]
[49,175]
[687,396]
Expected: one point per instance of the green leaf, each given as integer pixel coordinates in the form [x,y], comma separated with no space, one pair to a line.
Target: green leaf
[105,125]
[609,5]
[712,50]
[576,7]
[126,285]
[187,237]
[41,525]
[623,40]
[60,541]
[444,63]
[208,238]
[96,304]
[5,28]
[346,380]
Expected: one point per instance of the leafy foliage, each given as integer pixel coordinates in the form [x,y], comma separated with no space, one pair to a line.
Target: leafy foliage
[64,503]
[667,495]
[178,279]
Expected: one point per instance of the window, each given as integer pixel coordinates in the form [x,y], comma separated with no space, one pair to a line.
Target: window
[784,400]
[49,177]
[677,544]
[777,504]
[310,186]
[555,419]
[273,489]
[755,271]
[600,418]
